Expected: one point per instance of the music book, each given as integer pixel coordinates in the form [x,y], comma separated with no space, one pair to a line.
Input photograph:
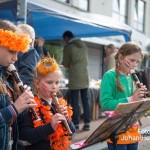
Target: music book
[123,117]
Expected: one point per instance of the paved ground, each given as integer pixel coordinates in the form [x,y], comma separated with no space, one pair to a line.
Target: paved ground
[143,145]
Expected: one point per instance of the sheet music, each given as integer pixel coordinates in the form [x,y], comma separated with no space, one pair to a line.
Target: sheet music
[124,108]
[127,114]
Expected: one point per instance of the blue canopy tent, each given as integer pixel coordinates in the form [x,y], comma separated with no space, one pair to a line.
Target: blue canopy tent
[8,10]
[51,24]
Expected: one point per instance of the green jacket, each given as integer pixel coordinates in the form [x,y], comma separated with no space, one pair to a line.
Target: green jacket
[75,58]
[109,96]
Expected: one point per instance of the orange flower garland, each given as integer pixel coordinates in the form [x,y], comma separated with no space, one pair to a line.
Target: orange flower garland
[58,140]
[14,41]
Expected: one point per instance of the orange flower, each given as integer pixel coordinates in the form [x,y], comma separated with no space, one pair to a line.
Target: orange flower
[37,123]
[63,102]
[58,140]
[70,112]
[14,41]
[47,65]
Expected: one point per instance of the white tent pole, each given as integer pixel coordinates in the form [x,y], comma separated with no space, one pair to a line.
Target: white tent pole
[21,11]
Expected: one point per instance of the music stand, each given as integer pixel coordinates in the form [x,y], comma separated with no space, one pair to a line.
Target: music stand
[127,114]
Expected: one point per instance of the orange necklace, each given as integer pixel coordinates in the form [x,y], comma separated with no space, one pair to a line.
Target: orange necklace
[58,140]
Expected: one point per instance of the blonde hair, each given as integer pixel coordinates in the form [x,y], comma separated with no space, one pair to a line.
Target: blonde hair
[7,25]
[28,30]
[125,50]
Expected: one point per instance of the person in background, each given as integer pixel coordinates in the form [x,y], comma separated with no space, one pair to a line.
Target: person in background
[110,56]
[12,41]
[49,132]
[118,86]
[27,61]
[75,59]
[142,75]
[39,42]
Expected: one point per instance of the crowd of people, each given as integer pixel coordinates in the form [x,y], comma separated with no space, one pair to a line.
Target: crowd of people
[32,117]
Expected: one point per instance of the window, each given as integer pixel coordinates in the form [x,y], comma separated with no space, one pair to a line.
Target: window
[65,1]
[139,13]
[120,10]
[84,5]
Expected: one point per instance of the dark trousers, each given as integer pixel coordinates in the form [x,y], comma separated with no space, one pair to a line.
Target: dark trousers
[75,97]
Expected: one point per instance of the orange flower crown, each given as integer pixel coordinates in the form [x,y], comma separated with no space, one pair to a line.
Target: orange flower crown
[47,65]
[14,40]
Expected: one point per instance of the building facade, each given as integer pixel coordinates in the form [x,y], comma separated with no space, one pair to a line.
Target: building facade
[134,13]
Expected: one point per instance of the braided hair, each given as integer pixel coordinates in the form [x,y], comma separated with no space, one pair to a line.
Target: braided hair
[125,50]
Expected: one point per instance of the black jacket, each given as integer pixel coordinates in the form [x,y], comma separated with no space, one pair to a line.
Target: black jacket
[38,137]
[26,64]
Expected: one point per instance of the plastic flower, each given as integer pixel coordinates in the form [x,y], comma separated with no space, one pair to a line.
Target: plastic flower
[47,65]
[15,41]
[59,139]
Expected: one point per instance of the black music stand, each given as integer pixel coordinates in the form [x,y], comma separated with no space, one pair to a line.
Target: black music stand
[127,114]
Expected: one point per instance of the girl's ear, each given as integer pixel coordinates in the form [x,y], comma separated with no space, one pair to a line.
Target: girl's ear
[120,58]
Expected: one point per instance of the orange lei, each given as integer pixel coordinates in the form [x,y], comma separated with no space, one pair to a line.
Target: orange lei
[58,140]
